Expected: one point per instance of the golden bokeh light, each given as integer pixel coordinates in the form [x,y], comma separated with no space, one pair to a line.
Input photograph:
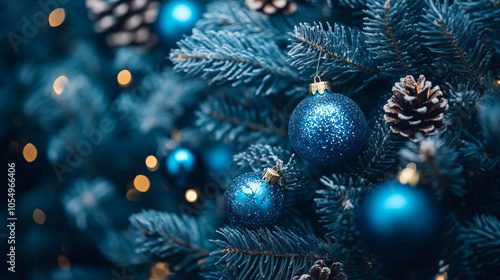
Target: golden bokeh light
[496,83]
[152,163]
[39,216]
[59,84]
[191,195]
[29,152]
[124,78]
[160,271]
[63,262]
[441,276]
[141,183]
[409,175]
[57,17]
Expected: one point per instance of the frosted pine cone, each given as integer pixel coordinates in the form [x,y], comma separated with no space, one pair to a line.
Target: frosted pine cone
[415,107]
[272,6]
[124,22]
[320,271]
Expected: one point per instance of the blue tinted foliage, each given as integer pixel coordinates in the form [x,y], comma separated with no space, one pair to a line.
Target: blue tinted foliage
[234,58]
[345,61]
[109,146]
[276,253]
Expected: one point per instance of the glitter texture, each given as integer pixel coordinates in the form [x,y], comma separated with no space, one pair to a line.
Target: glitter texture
[251,202]
[327,130]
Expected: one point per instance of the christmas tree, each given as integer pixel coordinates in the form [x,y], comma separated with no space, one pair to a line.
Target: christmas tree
[257,139]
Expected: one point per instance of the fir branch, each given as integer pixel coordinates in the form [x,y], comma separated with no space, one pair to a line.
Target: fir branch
[381,154]
[392,37]
[259,155]
[87,203]
[167,100]
[338,207]
[266,254]
[119,248]
[244,121]
[292,219]
[353,4]
[179,240]
[475,248]
[345,59]
[462,99]
[239,59]
[234,16]
[352,252]
[486,13]
[342,193]
[452,35]
[438,166]
[473,152]
[295,179]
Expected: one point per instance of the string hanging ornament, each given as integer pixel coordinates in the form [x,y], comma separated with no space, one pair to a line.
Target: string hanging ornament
[326,128]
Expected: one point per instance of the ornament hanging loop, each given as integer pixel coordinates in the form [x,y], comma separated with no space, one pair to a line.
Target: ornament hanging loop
[271,175]
[319,86]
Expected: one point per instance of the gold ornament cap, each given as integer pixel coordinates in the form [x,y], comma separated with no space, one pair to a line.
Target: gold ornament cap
[271,175]
[319,86]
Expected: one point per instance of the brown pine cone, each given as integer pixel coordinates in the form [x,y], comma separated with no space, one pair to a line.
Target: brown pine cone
[415,107]
[272,6]
[124,22]
[320,271]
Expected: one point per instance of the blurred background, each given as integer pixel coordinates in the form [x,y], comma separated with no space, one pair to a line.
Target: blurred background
[91,109]
[100,125]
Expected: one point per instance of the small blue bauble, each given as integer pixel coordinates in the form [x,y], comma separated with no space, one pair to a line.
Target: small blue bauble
[327,130]
[183,168]
[402,224]
[176,18]
[251,202]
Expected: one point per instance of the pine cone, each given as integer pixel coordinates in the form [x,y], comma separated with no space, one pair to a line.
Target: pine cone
[272,6]
[415,107]
[124,22]
[320,271]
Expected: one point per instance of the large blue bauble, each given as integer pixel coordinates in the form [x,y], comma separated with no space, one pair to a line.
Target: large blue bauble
[327,130]
[401,224]
[251,202]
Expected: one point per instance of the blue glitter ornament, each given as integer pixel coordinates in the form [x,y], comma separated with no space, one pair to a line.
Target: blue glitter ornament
[327,129]
[175,19]
[401,224]
[182,167]
[251,202]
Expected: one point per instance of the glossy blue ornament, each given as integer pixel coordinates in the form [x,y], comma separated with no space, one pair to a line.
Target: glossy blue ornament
[176,18]
[251,202]
[401,224]
[183,168]
[327,129]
